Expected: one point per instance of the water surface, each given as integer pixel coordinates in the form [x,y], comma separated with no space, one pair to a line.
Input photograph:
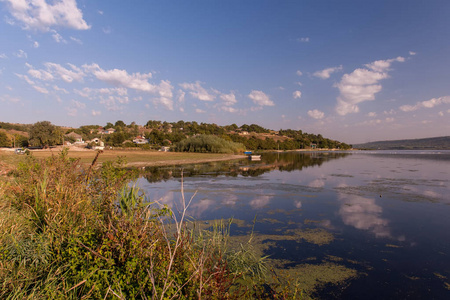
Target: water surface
[380,220]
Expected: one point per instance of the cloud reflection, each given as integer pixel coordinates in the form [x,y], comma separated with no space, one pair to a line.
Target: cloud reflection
[363,213]
[230,200]
[260,201]
[198,208]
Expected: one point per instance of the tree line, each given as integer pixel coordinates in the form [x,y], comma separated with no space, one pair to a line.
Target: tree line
[162,133]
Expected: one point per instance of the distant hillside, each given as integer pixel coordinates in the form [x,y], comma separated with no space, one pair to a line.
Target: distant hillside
[435,143]
[155,134]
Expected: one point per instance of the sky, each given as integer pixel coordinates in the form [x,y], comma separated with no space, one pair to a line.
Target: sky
[351,70]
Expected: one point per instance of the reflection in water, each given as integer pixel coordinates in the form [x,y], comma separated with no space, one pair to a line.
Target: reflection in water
[290,161]
[317,183]
[363,213]
[230,200]
[197,209]
[260,201]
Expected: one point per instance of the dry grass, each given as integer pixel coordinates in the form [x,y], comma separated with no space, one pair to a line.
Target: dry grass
[136,158]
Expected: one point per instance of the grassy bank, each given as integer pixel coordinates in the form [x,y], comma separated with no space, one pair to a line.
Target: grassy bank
[133,157]
[70,231]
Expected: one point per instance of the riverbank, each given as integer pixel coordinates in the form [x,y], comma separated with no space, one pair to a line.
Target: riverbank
[134,158]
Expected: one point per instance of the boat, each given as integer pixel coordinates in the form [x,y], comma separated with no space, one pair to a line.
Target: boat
[254,157]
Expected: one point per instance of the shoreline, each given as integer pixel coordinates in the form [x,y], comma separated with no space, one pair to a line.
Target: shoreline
[134,158]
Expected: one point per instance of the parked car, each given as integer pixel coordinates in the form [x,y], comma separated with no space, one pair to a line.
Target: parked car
[19,151]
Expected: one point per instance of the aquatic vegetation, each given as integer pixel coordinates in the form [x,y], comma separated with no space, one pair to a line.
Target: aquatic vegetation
[317,236]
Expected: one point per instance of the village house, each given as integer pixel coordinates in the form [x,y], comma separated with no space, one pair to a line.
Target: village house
[109,131]
[96,144]
[78,139]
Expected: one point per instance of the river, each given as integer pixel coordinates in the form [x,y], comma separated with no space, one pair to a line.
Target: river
[345,225]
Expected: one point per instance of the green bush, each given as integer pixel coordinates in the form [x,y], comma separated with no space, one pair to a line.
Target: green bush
[208,143]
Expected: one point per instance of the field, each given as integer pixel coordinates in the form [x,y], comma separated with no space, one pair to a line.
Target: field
[134,158]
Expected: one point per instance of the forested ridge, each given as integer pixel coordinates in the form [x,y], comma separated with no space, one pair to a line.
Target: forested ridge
[437,143]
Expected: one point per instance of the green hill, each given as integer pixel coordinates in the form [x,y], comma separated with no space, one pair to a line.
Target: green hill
[435,143]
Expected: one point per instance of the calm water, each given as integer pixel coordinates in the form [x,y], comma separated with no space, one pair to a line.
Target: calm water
[388,213]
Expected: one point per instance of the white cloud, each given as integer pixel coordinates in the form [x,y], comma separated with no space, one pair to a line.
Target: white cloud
[8,98]
[426,104]
[372,114]
[362,85]
[303,39]
[96,113]
[38,14]
[316,114]
[26,78]
[408,108]
[383,65]
[181,95]
[36,44]
[228,99]
[412,53]
[299,73]
[199,111]
[118,77]
[68,75]
[136,81]
[39,74]
[21,54]
[9,21]
[260,98]
[165,94]
[297,94]
[40,89]
[197,91]
[78,104]
[3,56]
[85,92]
[58,38]
[78,41]
[71,111]
[389,112]
[229,109]
[326,73]
[58,89]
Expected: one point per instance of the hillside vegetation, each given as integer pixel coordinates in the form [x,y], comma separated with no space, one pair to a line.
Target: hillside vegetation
[436,143]
[155,134]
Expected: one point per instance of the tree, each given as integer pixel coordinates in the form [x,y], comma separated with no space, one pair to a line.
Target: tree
[120,123]
[4,140]
[44,134]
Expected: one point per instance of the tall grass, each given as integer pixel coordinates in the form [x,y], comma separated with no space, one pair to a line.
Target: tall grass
[68,232]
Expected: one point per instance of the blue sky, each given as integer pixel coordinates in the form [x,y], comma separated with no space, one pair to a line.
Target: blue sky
[355,71]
